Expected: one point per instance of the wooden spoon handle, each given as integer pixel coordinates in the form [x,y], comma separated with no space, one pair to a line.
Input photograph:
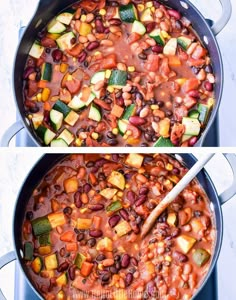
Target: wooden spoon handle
[170,197]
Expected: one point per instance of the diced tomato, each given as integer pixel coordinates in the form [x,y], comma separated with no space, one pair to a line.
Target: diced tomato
[164,67]
[73,85]
[67,236]
[152,63]
[101,4]
[180,112]
[88,5]
[199,52]
[72,247]
[76,50]
[176,133]
[133,38]
[182,54]
[108,62]
[191,84]
[195,62]
[189,102]
[102,104]
[86,268]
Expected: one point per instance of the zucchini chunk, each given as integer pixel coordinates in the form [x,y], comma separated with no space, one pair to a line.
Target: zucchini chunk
[147,15]
[51,262]
[41,225]
[184,42]
[36,50]
[99,76]
[157,36]
[45,134]
[67,136]
[46,71]
[80,258]
[56,27]
[94,113]
[138,28]
[118,79]
[192,126]
[170,47]
[129,112]
[58,143]
[134,160]
[76,103]
[37,265]
[128,13]
[62,280]
[56,119]
[122,126]
[28,251]
[163,142]
[64,41]
[200,257]
[117,179]
[65,18]
[114,206]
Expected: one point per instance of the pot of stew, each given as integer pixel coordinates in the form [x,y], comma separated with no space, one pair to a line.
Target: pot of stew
[118,73]
[78,219]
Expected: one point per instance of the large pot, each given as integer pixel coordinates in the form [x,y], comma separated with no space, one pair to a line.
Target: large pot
[49,160]
[48,9]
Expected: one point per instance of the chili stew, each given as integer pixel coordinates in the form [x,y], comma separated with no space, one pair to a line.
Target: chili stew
[109,73]
[81,232]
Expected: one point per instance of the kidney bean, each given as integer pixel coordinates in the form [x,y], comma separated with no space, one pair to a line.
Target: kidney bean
[114,21]
[129,175]
[99,26]
[128,279]
[144,190]
[100,257]
[62,252]
[157,49]
[141,200]
[90,164]
[131,197]
[82,56]
[125,261]
[80,236]
[180,257]
[91,242]
[62,267]
[86,188]
[48,42]
[176,171]
[150,27]
[77,200]
[95,233]
[93,45]
[95,207]
[100,162]
[194,94]
[152,289]
[71,272]
[113,3]
[124,214]
[57,55]
[142,56]
[115,157]
[117,258]
[137,121]
[106,277]
[114,220]
[208,86]
[27,72]
[174,13]
[134,261]
[209,69]
[192,141]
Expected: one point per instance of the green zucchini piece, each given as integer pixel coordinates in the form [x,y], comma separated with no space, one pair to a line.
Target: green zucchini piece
[51,262]
[118,79]
[170,47]
[163,142]
[122,125]
[71,118]
[67,136]
[94,113]
[185,138]
[76,103]
[41,226]
[36,50]
[98,77]
[157,36]
[62,107]
[44,239]
[58,143]
[147,15]
[138,28]
[114,206]
[46,71]
[80,258]
[65,18]
[45,134]
[128,13]
[37,119]
[64,41]
[200,257]
[184,42]
[194,114]
[56,118]
[37,265]
[28,251]
[129,112]
[204,112]
[56,27]
[62,280]
[192,126]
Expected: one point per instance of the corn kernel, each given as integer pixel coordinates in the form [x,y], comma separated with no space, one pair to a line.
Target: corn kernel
[110,89]
[115,131]
[83,18]
[39,96]
[69,77]
[120,194]
[211,101]
[131,68]
[127,186]
[30,117]
[154,106]
[165,35]
[136,247]
[153,9]
[72,206]
[129,132]
[108,74]
[83,210]
[149,4]
[107,156]
[115,198]
[63,67]
[125,136]
[102,12]
[78,142]
[45,94]
[95,135]
[168,258]
[97,53]
[169,167]
[141,170]
[167,182]
[100,267]
[140,7]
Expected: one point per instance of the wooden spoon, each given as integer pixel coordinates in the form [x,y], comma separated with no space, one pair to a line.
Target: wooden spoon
[170,197]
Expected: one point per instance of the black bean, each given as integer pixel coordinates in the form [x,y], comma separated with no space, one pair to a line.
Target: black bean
[209,69]
[160,103]
[112,142]
[80,236]
[96,233]
[148,137]
[185,31]
[90,164]
[91,242]
[67,210]
[113,270]
[197,213]
[142,56]
[118,266]
[152,241]
[29,215]
[106,277]
[100,257]
[144,145]
[77,200]
[139,95]
[178,25]
[117,257]
[38,76]
[86,188]
[101,176]
[169,113]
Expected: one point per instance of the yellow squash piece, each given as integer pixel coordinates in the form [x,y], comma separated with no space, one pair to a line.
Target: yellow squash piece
[108,193]
[134,160]
[122,228]
[71,185]
[185,243]
[104,244]
[83,223]
[117,179]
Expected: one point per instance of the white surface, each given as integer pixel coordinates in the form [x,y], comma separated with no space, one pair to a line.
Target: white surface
[14,168]
[12,12]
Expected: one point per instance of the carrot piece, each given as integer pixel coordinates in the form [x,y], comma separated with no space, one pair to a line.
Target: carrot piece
[117,111]
[97,222]
[191,84]
[68,236]
[86,268]
[42,84]
[55,205]
[174,61]
[108,62]
[72,247]
[86,91]
[133,38]
[102,104]
[92,178]
[47,106]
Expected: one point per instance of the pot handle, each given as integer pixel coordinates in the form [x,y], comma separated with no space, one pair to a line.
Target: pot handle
[231,191]
[219,25]
[4,260]
[10,133]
